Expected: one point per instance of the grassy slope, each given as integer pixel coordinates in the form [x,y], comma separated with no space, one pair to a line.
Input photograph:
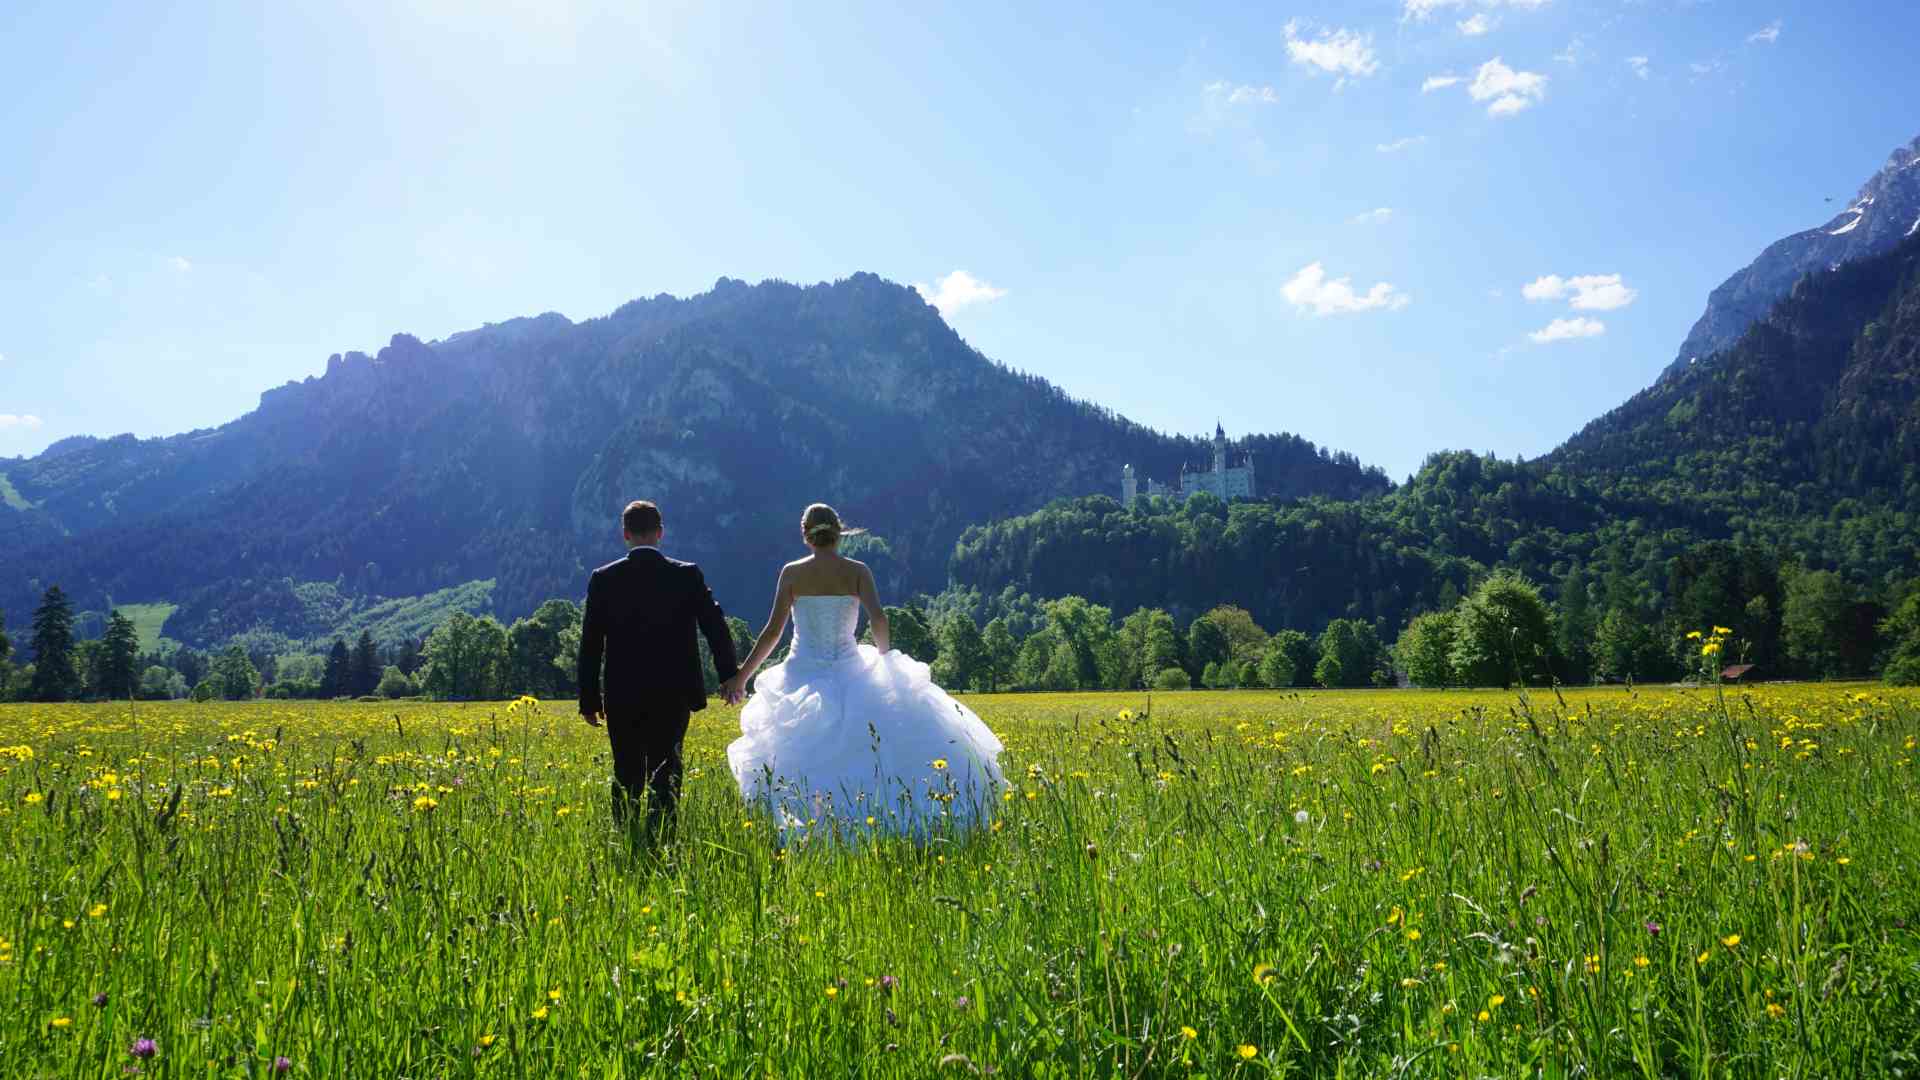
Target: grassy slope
[150,620]
[11,496]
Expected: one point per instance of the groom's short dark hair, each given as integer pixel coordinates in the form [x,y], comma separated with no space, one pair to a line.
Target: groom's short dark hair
[640,517]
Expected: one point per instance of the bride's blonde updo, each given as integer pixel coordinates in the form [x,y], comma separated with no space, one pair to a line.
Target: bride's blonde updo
[822,528]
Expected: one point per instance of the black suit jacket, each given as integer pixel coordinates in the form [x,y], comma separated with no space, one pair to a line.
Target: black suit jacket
[641,615]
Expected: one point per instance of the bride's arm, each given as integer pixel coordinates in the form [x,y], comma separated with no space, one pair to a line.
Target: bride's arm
[876,615]
[770,633]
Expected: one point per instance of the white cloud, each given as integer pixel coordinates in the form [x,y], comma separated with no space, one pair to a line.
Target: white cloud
[1422,10]
[9,422]
[1638,64]
[1551,287]
[1704,67]
[179,264]
[1477,24]
[958,290]
[1505,90]
[1379,215]
[1398,145]
[1586,292]
[1766,35]
[1567,330]
[1438,82]
[1575,51]
[1340,51]
[1243,95]
[1310,289]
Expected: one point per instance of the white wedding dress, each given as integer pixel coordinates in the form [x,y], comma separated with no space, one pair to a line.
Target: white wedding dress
[844,738]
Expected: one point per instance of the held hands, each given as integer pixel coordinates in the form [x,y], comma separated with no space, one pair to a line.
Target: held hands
[734,690]
[591,716]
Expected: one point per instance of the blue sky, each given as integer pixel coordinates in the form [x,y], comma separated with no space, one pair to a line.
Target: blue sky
[1283,217]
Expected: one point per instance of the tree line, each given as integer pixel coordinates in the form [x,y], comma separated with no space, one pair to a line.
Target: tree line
[1762,610]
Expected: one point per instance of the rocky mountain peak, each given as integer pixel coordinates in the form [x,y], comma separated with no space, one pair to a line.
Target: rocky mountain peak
[1884,212]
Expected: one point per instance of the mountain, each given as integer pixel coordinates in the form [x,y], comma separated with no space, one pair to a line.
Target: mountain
[1885,212]
[1799,444]
[493,464]
[1816,403]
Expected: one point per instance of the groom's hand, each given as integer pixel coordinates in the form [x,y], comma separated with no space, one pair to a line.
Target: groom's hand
[591,717]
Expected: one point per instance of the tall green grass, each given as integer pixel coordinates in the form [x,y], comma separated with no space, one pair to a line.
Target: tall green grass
[1335,884]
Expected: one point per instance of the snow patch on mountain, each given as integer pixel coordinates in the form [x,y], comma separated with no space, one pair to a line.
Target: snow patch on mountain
[1868,226]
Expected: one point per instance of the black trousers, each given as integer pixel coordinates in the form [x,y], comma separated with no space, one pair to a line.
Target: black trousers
[646,760]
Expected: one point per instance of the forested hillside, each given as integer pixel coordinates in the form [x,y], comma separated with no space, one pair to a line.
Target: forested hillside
[503,455]
[1798,449]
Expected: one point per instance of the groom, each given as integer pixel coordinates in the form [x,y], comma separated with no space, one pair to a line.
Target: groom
[641,614]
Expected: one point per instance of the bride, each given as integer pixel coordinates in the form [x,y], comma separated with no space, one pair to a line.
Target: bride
[850,736]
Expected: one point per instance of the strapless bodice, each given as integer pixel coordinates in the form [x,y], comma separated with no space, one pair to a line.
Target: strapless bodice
[823,627]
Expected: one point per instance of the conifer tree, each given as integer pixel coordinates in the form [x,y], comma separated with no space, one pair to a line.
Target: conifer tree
[363,668]
[336,679]
[119,655]
[54,678]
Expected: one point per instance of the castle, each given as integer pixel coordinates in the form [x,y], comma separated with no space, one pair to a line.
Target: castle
[1234,483]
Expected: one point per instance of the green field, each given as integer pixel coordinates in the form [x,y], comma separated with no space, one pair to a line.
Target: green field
[10,496]
[149,620]
[1228,884]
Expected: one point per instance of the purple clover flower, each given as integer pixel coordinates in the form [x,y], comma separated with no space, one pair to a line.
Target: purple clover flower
[282,1065]
[144,1048]
[100,1000]
[1653,928]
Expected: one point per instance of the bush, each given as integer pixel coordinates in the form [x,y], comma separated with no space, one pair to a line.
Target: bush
[395,684]
[1172,679]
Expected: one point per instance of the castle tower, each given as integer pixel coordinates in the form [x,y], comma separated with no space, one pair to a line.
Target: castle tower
[1219,449]
[1129,486]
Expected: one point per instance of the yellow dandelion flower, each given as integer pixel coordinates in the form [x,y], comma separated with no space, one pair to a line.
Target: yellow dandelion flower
[554,994]
[1731,941]
[1484,1016]
[486,1041]
[1776,1010]
[1247,1051]
[1703,957]
[1188,1032]
[61,1022]
[1413,935]
[1262,974]
[939,763]
[1641,961]
[1496,1001]
[540,1013]
[425,803]
[96,911]
[833,991]
[34,798]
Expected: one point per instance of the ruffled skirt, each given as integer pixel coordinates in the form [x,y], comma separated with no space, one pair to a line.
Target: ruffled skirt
[866,743]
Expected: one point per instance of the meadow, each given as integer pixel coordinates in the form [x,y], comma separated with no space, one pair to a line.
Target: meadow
[1605,882]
